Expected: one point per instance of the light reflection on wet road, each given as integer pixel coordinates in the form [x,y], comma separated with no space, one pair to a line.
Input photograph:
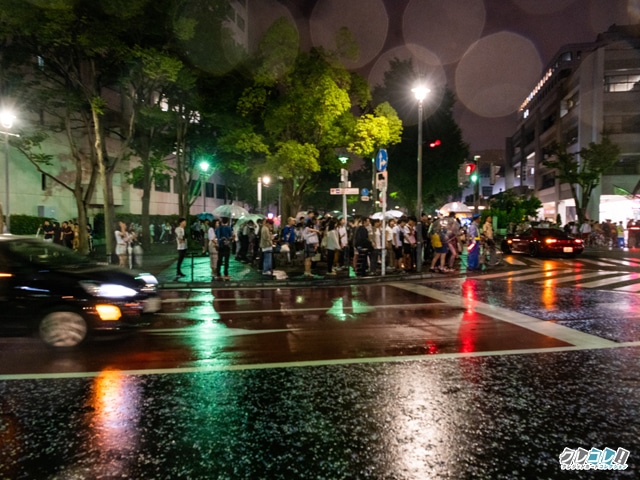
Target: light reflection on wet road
[452,378]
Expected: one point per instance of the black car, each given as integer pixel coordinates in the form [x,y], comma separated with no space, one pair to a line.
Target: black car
[542,241]
[63,296]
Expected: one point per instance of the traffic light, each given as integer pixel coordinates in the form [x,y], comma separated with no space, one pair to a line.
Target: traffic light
[469,168]
[435,143]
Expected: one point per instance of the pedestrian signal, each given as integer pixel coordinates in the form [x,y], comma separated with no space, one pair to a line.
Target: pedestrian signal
[469,168]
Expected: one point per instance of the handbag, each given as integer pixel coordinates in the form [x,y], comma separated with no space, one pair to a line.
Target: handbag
[284,248]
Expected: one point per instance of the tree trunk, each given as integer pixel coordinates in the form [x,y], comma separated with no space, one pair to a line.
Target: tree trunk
[105,183]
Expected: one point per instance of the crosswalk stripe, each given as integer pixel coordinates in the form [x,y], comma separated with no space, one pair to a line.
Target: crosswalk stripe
[635,287]
[623,262]
[596,262]
[580,276]
[509,274]
[545,274]
[513,261]
[609,281]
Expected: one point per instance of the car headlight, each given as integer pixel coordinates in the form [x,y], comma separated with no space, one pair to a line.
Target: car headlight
[108,290]
[150,282]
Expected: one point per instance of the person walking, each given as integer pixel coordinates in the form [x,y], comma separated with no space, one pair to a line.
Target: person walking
[181,244]
[311,245]
[122,243]
[224,235]
[213,248]
[473,243]
[333,246]
[48,231]
[289,238]
[266,245]
[488,244]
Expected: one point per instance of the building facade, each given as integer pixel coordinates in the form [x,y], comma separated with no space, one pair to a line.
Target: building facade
[587,90]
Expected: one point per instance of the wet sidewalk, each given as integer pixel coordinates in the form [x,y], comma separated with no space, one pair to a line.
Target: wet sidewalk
[198,273]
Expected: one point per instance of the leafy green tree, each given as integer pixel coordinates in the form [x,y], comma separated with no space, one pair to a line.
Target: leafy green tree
[300,111]
[512,209]
[583,171]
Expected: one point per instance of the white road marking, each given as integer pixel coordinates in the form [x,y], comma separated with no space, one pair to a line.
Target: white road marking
[542,327]
[545,274]
[314,363]
[580,276]
[609,281]
[513,261]
[508,274]
[629,288]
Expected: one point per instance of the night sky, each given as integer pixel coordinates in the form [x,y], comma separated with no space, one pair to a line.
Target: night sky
[490,53]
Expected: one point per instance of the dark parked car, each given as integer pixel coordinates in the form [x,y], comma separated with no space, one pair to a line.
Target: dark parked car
[63,296]
[542,241]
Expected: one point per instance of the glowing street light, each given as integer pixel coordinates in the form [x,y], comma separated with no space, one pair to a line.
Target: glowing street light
[420,92]
[264,180]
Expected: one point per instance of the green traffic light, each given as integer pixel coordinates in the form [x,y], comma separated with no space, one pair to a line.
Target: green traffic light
[474,177]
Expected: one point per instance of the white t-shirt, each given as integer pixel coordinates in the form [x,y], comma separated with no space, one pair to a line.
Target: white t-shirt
[180,240]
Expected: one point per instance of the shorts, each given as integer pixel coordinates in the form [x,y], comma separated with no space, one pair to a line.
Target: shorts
[398,252]
[406,248]
[310,249]
[442,249]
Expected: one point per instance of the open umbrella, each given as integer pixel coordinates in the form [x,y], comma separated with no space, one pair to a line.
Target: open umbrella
[455,207]
[394,213]
[205,216]
[230,211]
[387,215]
[254,217]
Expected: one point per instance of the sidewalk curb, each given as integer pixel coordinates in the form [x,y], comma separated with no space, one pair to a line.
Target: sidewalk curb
[301,282]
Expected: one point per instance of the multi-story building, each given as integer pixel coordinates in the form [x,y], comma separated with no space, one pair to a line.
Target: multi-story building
[587,90]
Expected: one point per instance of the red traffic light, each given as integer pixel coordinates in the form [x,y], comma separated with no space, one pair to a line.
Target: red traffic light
[469,168]
[435,143]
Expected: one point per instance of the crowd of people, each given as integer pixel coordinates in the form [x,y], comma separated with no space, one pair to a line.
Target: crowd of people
[331,245]
[607,233]
[66,234]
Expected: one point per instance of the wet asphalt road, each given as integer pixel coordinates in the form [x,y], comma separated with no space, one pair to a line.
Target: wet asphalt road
[452,377]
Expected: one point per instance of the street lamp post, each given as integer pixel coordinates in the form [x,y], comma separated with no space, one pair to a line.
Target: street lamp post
[420,92]
[261,180]
[6,120]
[204,168]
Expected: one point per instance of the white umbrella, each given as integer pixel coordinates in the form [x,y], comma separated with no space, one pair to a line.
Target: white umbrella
[230,211]
[387,215]
[394,213]
[455,207]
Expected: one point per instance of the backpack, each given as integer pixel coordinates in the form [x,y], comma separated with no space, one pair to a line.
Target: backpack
[435,240]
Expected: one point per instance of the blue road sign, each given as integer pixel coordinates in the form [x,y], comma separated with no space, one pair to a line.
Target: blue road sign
[364,192]
[382,159]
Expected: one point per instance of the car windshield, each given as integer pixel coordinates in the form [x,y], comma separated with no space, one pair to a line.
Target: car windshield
[552,232]
[46,254]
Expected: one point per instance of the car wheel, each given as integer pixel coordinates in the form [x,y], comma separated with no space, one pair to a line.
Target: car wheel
[62,329]
[533,250]
[504,246]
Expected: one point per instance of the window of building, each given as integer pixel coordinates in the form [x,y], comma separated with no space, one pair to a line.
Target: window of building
[230,13]
[548,122]
[566,57]
[208,190]
[487,191]
[571,136]
[629,165]
[548,180]
[43,182]
[622,83]
[221,192]
[138,184]
[569,104]
[163,183]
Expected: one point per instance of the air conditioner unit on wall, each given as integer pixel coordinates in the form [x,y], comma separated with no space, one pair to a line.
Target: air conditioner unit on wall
[46,212]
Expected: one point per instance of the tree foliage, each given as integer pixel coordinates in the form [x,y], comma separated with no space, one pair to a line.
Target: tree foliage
[512,209]
[583,170]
